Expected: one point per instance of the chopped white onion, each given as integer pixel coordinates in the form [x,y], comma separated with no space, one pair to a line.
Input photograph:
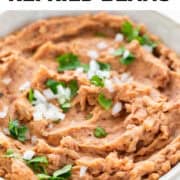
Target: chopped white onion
[28,155]
[1,178]
[119,37]
[4,112]
[116,108]
[111,51]
[148,48]
[39,97]
[126,77]
[102,45]
[25,86]
[34,140]
[49,94]
[6,80]
[83,170]
[93,54]
[126,54]
[109,85]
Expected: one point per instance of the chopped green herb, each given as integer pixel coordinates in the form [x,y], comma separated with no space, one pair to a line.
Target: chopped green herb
[44,177]
[100,34]
[61,174]
[85,67]
[132,33]
[145,40]
[100,132]
[104,102]
[127,57]
[38,164]
[104,66]
[9,153]
[89,116]
[73,85]
[65,107]
[52,84]
[68,62]
[17,131]
[97,81]
[31,96]
[65,172]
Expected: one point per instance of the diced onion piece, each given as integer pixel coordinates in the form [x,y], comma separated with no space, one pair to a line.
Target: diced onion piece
[109,85]
[148,48]
[49,94]
[83,170]
[111,51]
[6,80]
[102,45]
[119,37]
[34,140]
[1,178]
[25,86]
[4,112]
[93,54]
[116,108]
[39,97]
[28,155]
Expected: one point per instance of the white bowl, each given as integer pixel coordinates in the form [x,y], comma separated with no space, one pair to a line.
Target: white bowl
[165,28]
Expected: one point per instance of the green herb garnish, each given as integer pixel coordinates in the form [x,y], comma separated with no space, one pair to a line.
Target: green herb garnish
[17,131]
[52,84]
[133,33]
[104,102]
[38,164]
[104,66]
[126,56]
[9,153]
[100,132]
[65,107]
[31,96]
[97,81]
[68,62]
[73,86]
[61,174]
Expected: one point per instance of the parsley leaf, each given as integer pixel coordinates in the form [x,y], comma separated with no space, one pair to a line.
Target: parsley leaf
[38,164]
[65,172]
[17,131]
[68,62]
[132,33]
[104,102]
[104,66]
[65,107]
[73,85]
[100,132]
[31,96]
[127,57]
[97,81]
[61,174]
[52,84]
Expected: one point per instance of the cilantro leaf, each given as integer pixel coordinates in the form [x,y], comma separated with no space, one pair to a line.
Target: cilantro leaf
[132,33]
[73,85]
[17,131]
[126,56]
[65,107]
[85,67]
[104,66]
[52,84]
[100,132]
[104,102]
[31,96]
[38,164]
[68,62]
[65,172]
[97,81]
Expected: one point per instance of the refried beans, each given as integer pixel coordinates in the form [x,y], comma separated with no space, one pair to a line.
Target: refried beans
[88,97]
